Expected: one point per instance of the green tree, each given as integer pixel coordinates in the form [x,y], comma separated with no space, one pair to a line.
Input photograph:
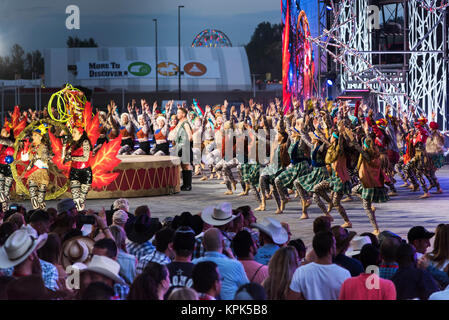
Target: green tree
[17,60]
[78,43]
[265,50]
[34,65]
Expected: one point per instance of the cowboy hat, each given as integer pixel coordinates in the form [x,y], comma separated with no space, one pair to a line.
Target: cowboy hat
[342,236]
[19,245]
[273,229]
[357,244]
[106,267]
[142,228]
[77,249]
[218,215]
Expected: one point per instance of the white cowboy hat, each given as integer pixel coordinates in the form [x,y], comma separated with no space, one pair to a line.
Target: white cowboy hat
[19,245]
[105,266]
[356,245]
[77,249]
[274,229]
[218,215]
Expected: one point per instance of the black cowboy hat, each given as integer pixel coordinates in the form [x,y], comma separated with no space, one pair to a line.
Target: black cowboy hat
[187,219]
[142,228]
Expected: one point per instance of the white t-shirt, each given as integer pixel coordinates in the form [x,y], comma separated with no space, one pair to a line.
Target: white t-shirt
[440,295]
[319,281]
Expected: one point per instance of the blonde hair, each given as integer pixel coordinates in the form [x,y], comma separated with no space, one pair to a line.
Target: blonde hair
[281,267]
[183,294]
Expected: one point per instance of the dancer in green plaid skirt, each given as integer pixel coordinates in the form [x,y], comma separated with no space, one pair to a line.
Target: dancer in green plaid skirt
[299,158]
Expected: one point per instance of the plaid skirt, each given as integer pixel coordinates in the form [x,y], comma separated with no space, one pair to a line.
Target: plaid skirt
[250,173]
[338,186]
[376,194]
[309,181]
[438,160]
[289,175]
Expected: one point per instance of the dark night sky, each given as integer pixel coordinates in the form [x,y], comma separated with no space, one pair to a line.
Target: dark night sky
[39,24]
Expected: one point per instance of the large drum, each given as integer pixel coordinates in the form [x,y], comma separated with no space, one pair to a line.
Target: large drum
[139,176]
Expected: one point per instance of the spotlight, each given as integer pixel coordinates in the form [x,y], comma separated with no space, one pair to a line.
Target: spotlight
[330,83]
[328,7]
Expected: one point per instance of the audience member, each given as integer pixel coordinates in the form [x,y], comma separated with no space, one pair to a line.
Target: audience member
[272,237]
[231,270]
[151,284]
[251,291]
[419,238]
[127,262]
[388,265]
[163,253]
[411,282]
[281,268]
[322,279]
[207,280]
[245,250]
[343,238]
[183,293]
[368,285]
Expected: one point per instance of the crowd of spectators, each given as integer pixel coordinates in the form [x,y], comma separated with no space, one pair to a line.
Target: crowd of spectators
[220,253]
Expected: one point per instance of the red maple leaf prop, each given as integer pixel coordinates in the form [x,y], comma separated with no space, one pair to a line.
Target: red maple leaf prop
[56,145]
[17,125]
[105,161]
[91,124]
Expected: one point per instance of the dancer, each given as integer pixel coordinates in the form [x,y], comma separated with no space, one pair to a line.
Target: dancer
[79,152]
[36,173]
[184,144]
[435,149]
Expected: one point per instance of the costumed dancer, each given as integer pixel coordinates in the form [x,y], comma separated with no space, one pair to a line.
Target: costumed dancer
[143,129]
[299,158]
[184,144]
[9,131]
[162,147]
[278,162]
[36,173]
[127,132]
[79,153]
[371,178]
[318,143]
[339,180]
[435,149]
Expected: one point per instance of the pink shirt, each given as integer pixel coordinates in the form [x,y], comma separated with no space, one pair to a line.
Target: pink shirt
[251,268]
[362,288]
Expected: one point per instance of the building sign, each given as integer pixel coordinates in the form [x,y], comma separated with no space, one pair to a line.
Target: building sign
[195,69]
[167,69]
[139,69]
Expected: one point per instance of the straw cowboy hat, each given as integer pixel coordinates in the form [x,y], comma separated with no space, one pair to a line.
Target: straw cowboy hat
[105,266]
[218,215]
[77,249]
[273,229]
[357,244]
[19,245]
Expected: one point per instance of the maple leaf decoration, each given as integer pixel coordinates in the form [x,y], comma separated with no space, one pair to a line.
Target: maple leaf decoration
[104,162]
[91,124]
[56,145]
[17,125]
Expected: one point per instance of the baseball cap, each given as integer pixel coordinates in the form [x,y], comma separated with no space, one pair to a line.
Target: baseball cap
[419,232]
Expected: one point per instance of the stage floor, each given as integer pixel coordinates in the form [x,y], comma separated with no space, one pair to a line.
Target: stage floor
[397,215]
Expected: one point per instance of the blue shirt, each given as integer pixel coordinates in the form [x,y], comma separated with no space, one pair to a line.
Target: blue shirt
[265,253]
[128,264]
[49,274]
[139,249]
[231,271]
[412,283]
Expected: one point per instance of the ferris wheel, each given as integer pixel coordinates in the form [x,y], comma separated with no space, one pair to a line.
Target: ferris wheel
[211,38]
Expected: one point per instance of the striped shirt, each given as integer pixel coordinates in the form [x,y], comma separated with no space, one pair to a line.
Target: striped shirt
[139,249]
